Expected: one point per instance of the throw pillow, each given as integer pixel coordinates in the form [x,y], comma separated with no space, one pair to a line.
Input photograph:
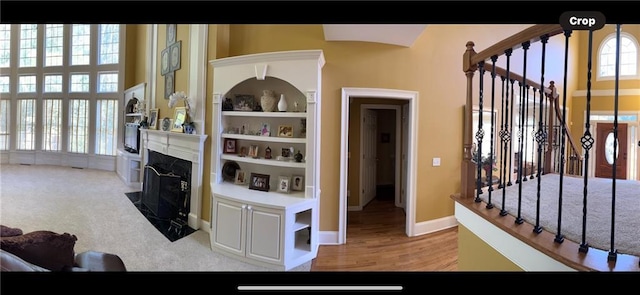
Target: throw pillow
[46,249]
[6,231]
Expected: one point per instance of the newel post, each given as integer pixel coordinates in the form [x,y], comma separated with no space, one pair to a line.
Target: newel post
[468,167]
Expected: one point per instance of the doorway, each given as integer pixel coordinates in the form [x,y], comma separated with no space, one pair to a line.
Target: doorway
[381,153]
[348,94]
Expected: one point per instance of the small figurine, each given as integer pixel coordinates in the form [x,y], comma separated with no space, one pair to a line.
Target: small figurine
[267,153]
[298,157]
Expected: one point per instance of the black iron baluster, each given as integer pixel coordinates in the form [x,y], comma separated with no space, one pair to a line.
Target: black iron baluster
[587,143]
[510,130]
[541,135]
[502,130]
[506,134]
[525,135]
[559,237]
[520,115]
[545,116]
[493,127]
[533,132]
[613,253]
[479,133]
[521,134]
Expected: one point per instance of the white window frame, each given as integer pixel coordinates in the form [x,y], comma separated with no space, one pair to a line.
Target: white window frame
[609,37]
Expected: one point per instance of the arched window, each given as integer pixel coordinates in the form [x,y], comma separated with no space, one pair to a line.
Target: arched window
[628,56]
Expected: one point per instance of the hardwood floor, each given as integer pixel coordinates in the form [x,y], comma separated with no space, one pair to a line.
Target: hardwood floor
[376,241]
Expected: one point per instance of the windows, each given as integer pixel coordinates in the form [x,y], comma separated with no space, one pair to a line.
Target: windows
[66,88]
[628,57]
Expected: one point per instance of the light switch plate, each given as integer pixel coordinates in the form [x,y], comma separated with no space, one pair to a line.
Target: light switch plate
[436,162]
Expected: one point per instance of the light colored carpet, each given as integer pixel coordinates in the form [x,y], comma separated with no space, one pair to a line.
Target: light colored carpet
[91,205]
[599,204]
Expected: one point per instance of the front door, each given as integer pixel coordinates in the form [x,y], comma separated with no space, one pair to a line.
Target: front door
[604,151]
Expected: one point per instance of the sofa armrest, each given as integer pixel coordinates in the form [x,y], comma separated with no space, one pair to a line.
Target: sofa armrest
[98,261]
[11,262]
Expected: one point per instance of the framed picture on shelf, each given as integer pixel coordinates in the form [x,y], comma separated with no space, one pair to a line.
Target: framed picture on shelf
[253,151]
[153,119]
[285,131]
[259,182]
[244,102]
[240,177]
[230,146]
[286,153]
[179,117]
[265,129]
[243,151]
[297,183]
[284,184]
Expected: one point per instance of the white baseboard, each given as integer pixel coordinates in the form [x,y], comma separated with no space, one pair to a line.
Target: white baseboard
[426,227]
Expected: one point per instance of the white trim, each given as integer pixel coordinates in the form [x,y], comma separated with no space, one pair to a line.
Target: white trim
[412,97]
[518,252]
[431,226]
[150,74]
[607,92]
[198,72]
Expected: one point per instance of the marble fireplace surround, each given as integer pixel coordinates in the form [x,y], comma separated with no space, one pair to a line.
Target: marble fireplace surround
[189,147]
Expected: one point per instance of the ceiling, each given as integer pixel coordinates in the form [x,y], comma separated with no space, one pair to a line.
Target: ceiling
[400,34]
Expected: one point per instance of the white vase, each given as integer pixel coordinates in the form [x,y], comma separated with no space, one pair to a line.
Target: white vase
[282,104]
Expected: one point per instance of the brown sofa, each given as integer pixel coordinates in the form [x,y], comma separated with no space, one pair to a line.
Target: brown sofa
[49,251]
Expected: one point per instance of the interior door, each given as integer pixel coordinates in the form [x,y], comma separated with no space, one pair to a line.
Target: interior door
[369,155]
[604,151]
[405,150]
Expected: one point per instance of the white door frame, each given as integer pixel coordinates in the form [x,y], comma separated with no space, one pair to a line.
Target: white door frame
[412,97]
[633,154]
[398,154]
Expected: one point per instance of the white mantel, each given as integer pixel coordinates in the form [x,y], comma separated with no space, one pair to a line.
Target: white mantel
[189,147]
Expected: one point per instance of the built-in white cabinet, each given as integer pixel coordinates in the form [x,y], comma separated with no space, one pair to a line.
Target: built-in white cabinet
[269,226]
[128,167]
[271,235]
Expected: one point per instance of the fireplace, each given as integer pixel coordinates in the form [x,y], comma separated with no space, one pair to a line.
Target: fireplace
[171,153]
[166,186]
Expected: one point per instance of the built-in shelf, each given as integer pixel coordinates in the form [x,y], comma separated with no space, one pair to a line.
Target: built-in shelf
[265,114]
[264,138]
[269,228]
[272,162]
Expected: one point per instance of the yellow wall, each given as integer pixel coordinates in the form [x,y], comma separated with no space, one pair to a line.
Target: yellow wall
[470,245]
[432,67]
[601,103]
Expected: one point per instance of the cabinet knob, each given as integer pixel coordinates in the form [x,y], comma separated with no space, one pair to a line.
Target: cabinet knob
[244,207]
[249,208]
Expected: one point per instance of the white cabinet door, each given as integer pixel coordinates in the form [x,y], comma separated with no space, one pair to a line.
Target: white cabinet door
[264,234]
[229,226]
